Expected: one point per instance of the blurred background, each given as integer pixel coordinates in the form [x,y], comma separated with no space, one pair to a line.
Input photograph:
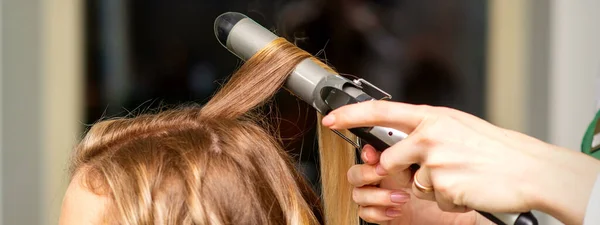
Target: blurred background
[531,66]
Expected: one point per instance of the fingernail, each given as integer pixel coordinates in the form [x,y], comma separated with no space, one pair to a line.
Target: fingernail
[380,171]
[369,155]
[392,212]
[328,120]
[366,156]
[400,197]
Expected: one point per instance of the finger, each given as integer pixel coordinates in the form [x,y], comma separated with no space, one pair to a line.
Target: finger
[402,155]
[466,118]
[401,180]
[374,196]
[374,214]
[404,117]
[363,174]
[369,155]
[422,178]
[442,195]
[471,121]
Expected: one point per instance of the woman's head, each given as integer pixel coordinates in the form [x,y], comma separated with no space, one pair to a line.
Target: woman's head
[209,165]
[177,167]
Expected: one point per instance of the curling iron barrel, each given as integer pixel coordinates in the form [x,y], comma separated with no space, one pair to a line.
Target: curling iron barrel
[310,82]
[244,37]
[323,90]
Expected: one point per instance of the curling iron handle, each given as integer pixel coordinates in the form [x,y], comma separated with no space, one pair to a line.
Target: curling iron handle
[382,138]
[526,218]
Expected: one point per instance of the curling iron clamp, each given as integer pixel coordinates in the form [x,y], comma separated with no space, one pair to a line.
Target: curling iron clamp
[325,91]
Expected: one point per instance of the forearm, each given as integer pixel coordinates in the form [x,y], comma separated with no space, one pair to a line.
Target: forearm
[591,215]
[563,184]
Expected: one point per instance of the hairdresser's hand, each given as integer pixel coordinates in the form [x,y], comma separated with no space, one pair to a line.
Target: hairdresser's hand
[391,202]
[472,164]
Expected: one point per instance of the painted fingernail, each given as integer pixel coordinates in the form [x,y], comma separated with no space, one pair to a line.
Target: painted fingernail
[400,197]
[380,171]
[370,154]
[328,120]
[392,212]
[366,156]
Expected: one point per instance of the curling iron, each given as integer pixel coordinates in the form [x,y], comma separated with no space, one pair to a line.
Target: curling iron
[325,91]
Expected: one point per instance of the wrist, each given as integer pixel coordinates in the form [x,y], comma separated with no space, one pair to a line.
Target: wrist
[562,184]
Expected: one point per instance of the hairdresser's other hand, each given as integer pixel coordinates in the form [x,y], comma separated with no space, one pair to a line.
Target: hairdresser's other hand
[471,163]
[391,202]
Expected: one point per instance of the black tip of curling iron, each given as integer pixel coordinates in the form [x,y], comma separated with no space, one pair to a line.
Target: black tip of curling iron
[224,23]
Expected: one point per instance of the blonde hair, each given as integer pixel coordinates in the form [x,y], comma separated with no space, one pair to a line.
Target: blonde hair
[219,164]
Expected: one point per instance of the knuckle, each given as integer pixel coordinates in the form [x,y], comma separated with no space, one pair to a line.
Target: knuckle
[432,132]
[458,198]
[445,121]
[444,110]
[425,110]
[450,196]
[356,196]
[380,197]
[452,192]
[362,212]
[435,123]
[436,115]
[356,175]
[423,139]
[447,188]
[447,111]
[350,175]
[443,189]
[386,163]
[360,175]
[435,159]
[368,214]
[441,184]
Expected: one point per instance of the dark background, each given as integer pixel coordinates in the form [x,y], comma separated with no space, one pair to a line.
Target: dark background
[151,53]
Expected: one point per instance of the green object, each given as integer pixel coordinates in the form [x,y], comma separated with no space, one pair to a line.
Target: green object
[591,140]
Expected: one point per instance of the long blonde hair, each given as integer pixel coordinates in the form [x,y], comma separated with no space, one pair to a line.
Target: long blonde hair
[219,164]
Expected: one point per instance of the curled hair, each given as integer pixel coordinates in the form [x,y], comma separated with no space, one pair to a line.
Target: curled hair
[211,165]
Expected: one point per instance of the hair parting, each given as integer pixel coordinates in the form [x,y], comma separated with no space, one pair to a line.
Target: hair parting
[216,164]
